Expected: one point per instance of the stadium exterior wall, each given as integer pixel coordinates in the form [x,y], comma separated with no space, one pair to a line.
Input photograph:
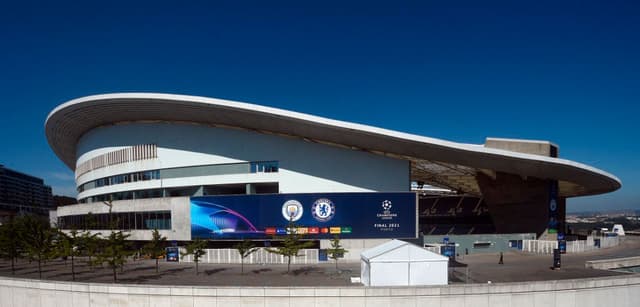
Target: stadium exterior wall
[617,291]
[303,166]
[179,207]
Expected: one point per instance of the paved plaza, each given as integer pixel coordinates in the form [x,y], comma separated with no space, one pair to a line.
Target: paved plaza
[482,268]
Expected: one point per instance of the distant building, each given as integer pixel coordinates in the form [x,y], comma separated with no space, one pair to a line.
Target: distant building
[22,193]
[59,200]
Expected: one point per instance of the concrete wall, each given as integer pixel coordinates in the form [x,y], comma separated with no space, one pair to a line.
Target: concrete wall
[542,148]
[180,215]
[618,291]
[464,243]
[516,204]
[305,166]
[608,264]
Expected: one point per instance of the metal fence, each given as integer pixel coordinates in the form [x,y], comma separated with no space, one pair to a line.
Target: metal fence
[261,256]
[578,246]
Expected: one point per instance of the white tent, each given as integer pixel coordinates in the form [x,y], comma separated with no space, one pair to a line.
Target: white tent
[398,263]
[617,228]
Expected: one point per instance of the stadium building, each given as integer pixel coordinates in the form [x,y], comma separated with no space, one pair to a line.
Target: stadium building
[224,170]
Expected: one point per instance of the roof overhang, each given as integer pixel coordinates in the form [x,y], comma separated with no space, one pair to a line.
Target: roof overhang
[434,161]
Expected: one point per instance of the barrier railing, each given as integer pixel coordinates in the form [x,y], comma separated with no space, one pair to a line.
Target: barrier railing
[261,256]
[578,246]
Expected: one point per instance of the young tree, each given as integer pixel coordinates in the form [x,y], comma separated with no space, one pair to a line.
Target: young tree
[245,248]
[195,248]
[38,240]
[336,251]
[116,248]
[10,243]
[115,251]
[90,245]
[291,244]
[90,242]
[70,245]
[155,247]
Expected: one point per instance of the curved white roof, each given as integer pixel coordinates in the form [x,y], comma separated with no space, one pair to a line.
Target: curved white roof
[434,161]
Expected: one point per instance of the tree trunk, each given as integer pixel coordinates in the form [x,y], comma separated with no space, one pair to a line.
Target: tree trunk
[156,264]
[73,269]
[40,267]
[241,265]
[196,267]
[115,278]
[288,264]
[13,266]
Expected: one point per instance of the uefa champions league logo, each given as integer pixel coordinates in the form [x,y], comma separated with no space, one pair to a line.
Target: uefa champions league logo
[323,210]
[386,205]
[386,211]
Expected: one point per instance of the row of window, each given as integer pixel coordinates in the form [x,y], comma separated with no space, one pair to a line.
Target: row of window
[179,172]
[120,220]
[141,194]
[119,179]
[226,189]
[264,167]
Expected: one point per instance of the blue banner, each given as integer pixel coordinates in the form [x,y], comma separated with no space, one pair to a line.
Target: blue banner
[553,224]
[316,215]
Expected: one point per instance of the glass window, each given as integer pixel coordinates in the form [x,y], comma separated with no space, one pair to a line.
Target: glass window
[145,220]
[168,220]
[264,167]
[140,221]
[131,217]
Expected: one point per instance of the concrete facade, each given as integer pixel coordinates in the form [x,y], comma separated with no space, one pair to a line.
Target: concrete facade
[179,207]
[608,264]
[465,243]
[520,205]
[618,291]
[304,166]
[541,148]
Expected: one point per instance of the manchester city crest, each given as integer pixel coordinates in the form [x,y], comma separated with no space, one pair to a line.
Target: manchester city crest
[292,210]
[323,210]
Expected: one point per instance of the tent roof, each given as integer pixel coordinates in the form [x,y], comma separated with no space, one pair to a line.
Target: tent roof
[400,251]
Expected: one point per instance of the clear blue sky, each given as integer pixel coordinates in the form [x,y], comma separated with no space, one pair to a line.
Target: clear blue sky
[568,73]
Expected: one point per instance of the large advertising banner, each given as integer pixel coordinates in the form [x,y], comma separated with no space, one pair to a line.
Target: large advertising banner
[316,215]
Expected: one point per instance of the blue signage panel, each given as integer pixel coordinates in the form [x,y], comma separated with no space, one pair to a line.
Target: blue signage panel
[173,254]
[316,215]
[552,227]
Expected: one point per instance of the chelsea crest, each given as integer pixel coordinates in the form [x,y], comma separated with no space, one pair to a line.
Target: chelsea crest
[323,210]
